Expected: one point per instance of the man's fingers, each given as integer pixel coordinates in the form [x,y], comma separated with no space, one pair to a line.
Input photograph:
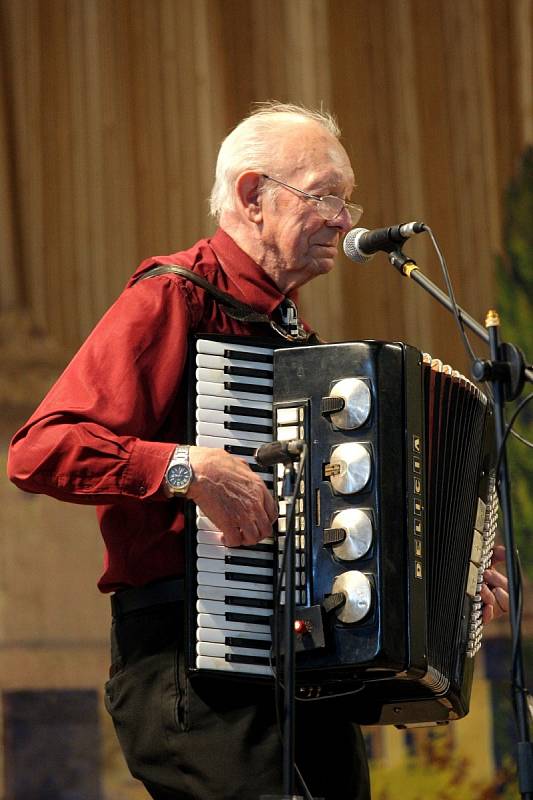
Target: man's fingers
[502,599]
[498,554]
[248,534]
[493,578]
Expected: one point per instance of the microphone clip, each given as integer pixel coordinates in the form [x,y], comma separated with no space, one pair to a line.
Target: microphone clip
[400,261]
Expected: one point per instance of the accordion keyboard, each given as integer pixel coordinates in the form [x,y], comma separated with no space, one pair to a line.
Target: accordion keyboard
[234,585]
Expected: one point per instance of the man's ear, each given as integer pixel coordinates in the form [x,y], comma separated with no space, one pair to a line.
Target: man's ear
[248,191]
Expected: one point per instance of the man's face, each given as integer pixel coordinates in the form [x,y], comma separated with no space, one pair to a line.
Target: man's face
[299,244]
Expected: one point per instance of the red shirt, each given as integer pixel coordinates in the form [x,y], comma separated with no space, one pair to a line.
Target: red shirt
[105,432]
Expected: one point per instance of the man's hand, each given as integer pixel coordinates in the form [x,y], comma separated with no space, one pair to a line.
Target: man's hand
[233,497]
[494,592]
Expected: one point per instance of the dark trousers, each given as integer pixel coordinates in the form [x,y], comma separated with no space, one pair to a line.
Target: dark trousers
[204,738]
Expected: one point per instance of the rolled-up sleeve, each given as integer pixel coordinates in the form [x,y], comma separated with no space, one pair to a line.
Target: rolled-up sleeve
[93,439]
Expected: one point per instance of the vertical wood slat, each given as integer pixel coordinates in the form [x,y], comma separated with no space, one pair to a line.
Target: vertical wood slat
[22,27]
[11,296]
[403,67]
[309,82]
[522,22]
[83,247]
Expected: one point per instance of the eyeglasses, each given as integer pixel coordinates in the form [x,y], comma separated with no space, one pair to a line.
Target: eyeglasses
[329,207]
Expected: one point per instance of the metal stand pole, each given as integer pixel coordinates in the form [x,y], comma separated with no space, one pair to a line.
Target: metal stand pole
[525,747]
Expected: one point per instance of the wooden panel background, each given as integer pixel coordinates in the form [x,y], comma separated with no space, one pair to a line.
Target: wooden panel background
[112,112]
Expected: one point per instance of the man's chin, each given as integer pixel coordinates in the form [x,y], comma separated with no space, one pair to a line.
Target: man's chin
[326,264]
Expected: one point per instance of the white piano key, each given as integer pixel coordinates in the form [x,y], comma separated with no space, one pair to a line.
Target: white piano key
[219,348]
[221,650]
[221,623]
[218,430]
[216,607]
[222,441]
[212,635]
[215,403]
[208,531]
[220,552]
[205,662]
[218,389]
[219,579]
[220,362]
[203,374]
[214,565]
[212,536]
[221,592]
[219,416]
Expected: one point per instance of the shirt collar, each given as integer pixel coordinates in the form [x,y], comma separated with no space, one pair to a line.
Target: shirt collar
[251,282]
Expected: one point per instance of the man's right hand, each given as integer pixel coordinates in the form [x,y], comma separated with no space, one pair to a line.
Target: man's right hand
[233,496]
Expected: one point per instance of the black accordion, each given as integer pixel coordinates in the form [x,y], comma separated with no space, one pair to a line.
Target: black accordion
[395,515]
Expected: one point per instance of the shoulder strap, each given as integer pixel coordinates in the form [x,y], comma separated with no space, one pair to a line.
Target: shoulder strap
[233,308]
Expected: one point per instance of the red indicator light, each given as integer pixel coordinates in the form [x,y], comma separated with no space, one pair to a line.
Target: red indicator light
[299,626]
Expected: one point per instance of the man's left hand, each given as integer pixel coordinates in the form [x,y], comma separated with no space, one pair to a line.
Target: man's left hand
[494,592]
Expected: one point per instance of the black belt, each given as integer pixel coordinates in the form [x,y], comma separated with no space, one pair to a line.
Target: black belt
[154,594]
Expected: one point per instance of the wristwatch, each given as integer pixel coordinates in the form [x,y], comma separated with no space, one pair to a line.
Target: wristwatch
[179,474]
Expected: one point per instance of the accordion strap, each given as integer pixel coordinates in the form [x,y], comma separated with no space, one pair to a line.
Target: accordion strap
[233,308]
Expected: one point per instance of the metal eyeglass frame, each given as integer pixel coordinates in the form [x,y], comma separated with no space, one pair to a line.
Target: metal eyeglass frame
[355,211]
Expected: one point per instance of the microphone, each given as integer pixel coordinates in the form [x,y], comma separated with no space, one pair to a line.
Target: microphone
[360,244]
[279,452]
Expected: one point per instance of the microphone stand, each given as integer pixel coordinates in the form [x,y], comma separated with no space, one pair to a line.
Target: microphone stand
[289,664]
[291,480]
[507,372]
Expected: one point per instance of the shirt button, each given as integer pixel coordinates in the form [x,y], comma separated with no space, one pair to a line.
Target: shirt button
[142,490]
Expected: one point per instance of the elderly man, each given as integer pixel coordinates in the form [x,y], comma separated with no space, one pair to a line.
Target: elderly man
[114,422]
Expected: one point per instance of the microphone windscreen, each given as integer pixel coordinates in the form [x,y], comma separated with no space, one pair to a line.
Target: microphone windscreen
[351,246]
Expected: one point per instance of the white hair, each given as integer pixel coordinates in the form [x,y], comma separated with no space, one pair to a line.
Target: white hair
[252,146]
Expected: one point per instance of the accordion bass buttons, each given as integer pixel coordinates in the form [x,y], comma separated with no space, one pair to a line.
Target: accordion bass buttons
[358,527]
[349,468]
[355,587]
[354,398]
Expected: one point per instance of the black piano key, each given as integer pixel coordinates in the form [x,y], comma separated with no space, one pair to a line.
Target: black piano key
[252,644]
[239,450]
[242,577]
[258,468]
[230,616]
[264,413]
[248,372]
[260,548]
[251,388]
[238,355]
[249,602]
[239,659]
[247,426]
[246,561]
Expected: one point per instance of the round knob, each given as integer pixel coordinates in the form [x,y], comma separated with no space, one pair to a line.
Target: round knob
[358,527]
[357,400]
[356,588]
[349,468]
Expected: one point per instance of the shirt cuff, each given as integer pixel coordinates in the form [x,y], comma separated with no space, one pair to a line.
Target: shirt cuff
[146,468]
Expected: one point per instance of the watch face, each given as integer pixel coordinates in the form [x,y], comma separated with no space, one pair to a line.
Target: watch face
[179,476]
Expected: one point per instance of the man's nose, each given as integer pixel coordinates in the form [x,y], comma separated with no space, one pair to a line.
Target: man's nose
[342,221]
